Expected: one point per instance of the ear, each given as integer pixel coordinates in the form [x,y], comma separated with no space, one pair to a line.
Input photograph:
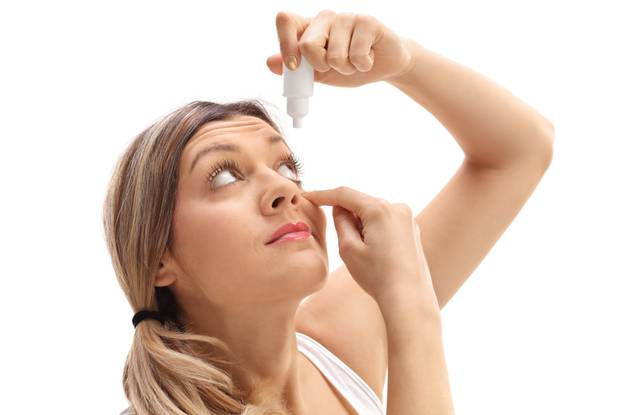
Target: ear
[162,280]
[166,274]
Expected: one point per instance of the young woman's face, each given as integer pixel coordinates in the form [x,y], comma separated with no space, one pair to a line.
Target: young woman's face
[224,217]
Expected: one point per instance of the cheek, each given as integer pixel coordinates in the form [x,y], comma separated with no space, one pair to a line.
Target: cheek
[214,239]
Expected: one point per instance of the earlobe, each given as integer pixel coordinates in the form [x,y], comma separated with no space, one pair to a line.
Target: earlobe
[164,277]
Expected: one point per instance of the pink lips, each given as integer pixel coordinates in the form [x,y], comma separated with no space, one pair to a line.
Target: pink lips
[292,236]
[290,231]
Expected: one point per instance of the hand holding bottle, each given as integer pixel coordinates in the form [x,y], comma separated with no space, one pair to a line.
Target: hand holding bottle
[345,49]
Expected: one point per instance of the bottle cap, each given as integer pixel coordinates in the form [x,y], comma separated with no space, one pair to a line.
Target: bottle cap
[298,87]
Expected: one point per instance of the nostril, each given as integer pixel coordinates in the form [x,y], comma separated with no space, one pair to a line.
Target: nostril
[275,202]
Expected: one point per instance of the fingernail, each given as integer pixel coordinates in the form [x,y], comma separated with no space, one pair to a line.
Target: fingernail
[291,62]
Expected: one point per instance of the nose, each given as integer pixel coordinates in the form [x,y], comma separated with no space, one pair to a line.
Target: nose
[282,194]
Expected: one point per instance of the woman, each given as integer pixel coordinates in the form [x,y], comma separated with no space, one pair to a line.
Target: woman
[194,213]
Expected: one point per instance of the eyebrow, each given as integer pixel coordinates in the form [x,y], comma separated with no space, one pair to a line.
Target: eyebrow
[228,147]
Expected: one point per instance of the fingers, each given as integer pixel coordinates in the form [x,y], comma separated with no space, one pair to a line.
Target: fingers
[347,228]
[289,27]
[275,63]
[339,44]
[313,40]
[363,37]
[343,196]
[339,41]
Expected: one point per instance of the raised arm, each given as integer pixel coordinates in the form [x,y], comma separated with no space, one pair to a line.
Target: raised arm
[494,128]
[507,145]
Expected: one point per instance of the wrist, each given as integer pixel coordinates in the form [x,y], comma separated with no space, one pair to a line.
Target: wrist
[411,301]
[414,51]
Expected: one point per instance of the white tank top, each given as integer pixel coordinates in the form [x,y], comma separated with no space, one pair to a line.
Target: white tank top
[354,389]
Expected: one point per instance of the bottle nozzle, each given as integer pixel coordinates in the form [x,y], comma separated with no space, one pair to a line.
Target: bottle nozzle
[297,108]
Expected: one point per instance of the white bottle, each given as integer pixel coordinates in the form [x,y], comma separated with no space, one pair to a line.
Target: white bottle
[298,87]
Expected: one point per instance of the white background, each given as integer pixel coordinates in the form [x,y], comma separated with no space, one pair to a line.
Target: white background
[535,329]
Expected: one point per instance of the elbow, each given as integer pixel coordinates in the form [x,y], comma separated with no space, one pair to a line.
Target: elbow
[549,138]
[551,127]
[541,147]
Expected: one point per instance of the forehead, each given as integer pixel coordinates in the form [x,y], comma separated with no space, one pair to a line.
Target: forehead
[238,130]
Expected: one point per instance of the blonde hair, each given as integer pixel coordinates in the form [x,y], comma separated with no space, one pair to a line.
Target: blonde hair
[168,369]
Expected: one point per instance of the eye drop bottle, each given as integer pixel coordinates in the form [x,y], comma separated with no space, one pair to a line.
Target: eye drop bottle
[298,87]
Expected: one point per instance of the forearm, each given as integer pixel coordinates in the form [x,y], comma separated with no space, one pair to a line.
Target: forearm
[493,127]
[418,382]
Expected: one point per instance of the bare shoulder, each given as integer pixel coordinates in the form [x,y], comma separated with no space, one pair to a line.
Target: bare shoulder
[348,322]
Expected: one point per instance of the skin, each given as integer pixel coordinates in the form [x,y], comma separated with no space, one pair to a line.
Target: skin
[228,283]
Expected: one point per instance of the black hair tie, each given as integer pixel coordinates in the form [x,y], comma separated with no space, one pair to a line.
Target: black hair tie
[146,314]
[167,308]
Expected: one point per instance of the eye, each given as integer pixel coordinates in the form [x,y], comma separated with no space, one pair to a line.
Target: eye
[226,166]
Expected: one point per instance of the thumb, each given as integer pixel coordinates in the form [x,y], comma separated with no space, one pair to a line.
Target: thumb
[346,226]
[275,63]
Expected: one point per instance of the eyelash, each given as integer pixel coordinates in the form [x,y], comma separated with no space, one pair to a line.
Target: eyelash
[287,158]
